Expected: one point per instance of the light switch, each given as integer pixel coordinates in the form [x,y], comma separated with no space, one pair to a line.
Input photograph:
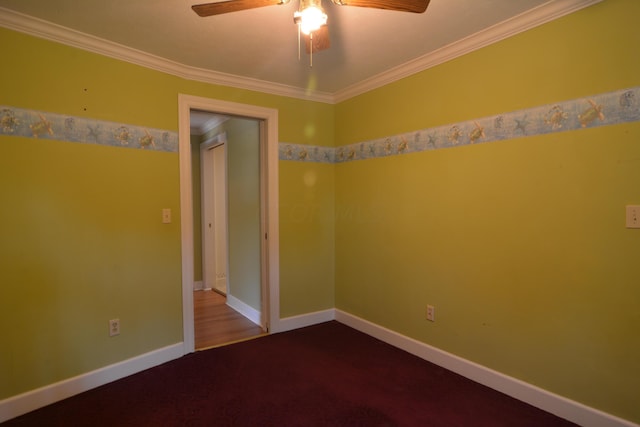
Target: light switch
[166,216]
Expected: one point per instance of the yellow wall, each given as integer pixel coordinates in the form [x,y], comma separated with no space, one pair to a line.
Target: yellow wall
[519,244]
[243,156]
[81,244]
[82,238]
[307,213]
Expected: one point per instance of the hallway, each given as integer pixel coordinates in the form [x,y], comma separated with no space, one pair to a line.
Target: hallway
[217,324]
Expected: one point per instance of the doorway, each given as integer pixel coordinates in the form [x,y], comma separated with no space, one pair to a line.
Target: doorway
[226,153]
[266,168]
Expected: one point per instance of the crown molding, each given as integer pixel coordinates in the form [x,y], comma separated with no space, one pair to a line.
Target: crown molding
[57,33]
[542,14]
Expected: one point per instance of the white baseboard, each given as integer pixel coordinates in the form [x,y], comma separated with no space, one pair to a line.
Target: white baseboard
[198,285]
[303,320]
[244,309]
[26,402]
[565,408]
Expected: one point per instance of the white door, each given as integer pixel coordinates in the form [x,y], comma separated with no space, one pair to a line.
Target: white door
[214,216]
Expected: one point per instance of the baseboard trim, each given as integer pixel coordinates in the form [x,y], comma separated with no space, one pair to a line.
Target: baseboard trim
[244,309]
[565,408]
[558,405]
[26,402]
[303,320]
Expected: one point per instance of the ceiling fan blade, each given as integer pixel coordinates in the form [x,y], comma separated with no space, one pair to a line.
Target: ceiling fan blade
[209,9]
[320,40]
[415,6]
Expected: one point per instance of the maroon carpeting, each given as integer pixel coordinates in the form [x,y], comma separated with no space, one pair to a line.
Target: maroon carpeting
[323,375]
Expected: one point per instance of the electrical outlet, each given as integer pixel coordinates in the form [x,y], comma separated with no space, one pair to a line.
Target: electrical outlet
[114,327]
[633,216]
[431,313]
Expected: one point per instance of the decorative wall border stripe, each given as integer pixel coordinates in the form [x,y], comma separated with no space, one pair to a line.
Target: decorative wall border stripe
[44,125]
[621,106]
[611,108]
[306,153]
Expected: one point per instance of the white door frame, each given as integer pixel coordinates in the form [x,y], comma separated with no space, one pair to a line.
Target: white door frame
[269,216]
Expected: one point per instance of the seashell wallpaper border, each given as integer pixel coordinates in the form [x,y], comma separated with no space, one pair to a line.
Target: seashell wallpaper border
[43,125]
[611,108]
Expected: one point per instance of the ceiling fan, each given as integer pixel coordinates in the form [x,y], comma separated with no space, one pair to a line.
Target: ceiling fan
[310,17]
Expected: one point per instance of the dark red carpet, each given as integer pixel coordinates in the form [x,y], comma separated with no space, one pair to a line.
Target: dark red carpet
[323,375]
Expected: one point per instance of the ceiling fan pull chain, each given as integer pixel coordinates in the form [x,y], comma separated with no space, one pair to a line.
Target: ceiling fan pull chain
[311,49]
[298,42]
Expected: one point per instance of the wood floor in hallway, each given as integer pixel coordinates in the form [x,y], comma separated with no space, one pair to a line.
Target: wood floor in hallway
[217,324]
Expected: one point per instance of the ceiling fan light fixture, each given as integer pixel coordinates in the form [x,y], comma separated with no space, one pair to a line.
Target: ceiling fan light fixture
[310,17]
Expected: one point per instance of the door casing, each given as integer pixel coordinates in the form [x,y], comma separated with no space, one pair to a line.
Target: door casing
[269,206]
